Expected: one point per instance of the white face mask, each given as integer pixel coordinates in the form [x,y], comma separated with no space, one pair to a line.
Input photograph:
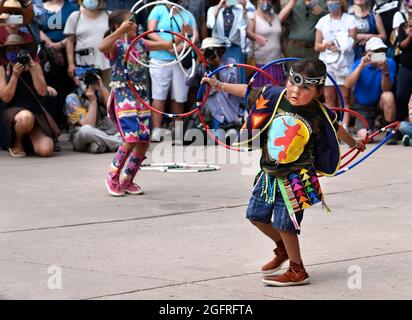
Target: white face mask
[91,4]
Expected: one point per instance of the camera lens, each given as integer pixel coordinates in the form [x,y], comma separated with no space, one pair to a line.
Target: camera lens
[90,79]
[23,57]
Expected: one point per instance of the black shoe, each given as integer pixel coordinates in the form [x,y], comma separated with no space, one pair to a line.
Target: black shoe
[393,141]
[406,140]
[57,147]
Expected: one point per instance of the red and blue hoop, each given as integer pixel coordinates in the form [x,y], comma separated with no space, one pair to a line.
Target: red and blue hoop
[249,85]
[135,92]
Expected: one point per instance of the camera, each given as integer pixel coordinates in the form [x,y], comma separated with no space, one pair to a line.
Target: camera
[23,57]
[89,75]
[210,53]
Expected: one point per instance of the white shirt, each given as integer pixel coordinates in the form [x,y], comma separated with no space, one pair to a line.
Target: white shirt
[331,29]
[238,31]
[88,34]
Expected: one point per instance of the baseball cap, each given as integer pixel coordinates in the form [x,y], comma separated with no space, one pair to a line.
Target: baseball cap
[375,43]
[211,42]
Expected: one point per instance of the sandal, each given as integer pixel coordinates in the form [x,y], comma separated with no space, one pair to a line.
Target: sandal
[19,154]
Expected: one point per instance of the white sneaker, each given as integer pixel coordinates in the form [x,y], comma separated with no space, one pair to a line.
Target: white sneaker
[156,135]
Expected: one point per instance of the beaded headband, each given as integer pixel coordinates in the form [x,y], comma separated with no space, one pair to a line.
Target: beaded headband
[298,80]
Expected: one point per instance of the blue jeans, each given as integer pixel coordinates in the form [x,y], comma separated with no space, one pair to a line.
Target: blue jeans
[235,52]
[261,211]
[406,128]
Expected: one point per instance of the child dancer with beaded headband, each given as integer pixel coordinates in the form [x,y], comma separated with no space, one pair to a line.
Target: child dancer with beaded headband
[299,137]
[132,118]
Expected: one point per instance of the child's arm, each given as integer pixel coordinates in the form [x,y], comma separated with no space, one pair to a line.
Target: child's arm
[106,46]
[235,89]
[157,43]
[349,140]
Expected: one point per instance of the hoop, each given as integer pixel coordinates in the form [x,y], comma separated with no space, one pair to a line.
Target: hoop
[366,125]
[199,93]
[283,60]
[179,56]
[380,144]
[153,64]
[179,167]
[131,86]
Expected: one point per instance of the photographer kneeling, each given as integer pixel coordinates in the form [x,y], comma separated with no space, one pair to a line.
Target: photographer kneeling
[22,86]
[90,128]
[222,106]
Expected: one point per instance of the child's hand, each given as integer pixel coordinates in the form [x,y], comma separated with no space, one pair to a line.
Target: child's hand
[187,30]
[359,145]
[125,26]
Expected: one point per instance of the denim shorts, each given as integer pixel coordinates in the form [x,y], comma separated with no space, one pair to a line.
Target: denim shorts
[261,211]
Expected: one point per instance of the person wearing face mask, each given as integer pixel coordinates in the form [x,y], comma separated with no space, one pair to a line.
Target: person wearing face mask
[83,40]
[22,86]
[265,30]
[301,16]
[222,107]
[335,38]
[368,24]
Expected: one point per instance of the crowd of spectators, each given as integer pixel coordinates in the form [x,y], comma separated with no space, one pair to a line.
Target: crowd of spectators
[365,44]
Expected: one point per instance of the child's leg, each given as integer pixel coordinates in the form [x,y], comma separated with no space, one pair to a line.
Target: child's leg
[281,255]
[291,241]
[119,159]
[296,274]
[136,158]
[268,230]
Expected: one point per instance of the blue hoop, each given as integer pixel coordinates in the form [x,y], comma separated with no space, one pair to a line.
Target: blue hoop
[282,60]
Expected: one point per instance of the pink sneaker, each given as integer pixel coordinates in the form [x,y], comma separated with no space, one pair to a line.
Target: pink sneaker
[114,188]
[131,188]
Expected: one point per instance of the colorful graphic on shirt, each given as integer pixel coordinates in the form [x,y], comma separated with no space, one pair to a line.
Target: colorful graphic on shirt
[287,138]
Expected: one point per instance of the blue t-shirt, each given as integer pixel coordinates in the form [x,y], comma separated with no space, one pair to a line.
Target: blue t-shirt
[368,88]
[54,22]
[160,13]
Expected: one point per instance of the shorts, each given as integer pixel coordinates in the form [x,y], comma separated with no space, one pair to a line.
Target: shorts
[259,210]
[166,77]
[339,78]
[368,112]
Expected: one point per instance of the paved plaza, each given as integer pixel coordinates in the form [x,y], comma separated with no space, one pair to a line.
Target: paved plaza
[63,237]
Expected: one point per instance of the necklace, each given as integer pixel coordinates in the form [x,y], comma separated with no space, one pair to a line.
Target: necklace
[267,18]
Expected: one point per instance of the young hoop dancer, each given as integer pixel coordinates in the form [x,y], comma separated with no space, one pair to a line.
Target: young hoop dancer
[299,137]
[132,118]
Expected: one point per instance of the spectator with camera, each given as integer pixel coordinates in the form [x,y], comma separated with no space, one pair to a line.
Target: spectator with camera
[22,86]
[223,107]
[83,40]
[90,130]
[372,78]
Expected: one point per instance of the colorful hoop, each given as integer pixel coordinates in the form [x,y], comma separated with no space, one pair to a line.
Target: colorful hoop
[131,86]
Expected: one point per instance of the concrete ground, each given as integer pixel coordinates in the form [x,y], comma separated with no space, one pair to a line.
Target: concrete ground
[63,237]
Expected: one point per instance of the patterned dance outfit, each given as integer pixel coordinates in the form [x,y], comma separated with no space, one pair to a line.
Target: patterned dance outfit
[130,116]
[297,142]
